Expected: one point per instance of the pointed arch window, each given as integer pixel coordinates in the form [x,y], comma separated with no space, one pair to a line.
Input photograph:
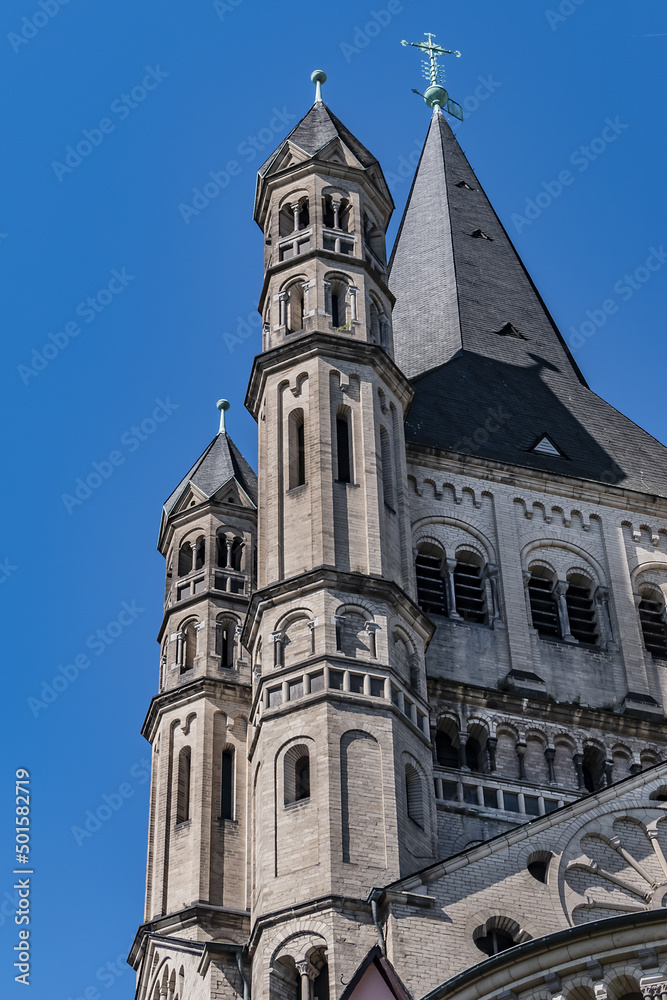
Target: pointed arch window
[431,583]
[183,786]
[297,449]
[227,784]
[652,621]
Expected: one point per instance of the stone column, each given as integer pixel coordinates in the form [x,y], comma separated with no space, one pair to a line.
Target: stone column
[550,755]
[561,590]
[451,592]
[521,755]
[463,739]
[491,745]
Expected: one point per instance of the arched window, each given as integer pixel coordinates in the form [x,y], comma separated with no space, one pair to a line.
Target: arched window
[446,753]
[494,941]
[473,752]
[338,300]
[336,212]
[185,559]
[294,216]
[236,553]
[593,768]
[580,609]
[297,449]
[297,774]
[302,779]
[183,787]
[414,795]
[543,603]
[225,641]
[189,646]
[343,448]
[469,588]
[431,585]
[652,620]
[387,471]
[295,306]
[538,865]
[200,553]
[373,238]
[227,784]
[321,984]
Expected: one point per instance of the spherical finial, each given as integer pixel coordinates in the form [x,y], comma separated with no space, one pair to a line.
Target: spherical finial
[223,405]
[318,77]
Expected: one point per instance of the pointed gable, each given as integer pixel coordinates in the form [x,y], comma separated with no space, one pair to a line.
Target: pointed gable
[375,979]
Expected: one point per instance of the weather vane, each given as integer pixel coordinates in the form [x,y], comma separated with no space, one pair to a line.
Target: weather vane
[436,95]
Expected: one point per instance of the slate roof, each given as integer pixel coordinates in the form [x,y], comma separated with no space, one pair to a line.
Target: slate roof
[491,371]
[220,462]
[315,130]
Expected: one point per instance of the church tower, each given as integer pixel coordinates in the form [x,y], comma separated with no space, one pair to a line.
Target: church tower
[340,758]
[395,663]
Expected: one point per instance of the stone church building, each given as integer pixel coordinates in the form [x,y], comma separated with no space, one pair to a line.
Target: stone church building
[409,737]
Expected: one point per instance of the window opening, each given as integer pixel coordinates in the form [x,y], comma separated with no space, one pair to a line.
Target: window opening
[469,591]
[653,625]
[431,586]
[227,791]
[544,607]
[580,611]
[183,789]
[343,449]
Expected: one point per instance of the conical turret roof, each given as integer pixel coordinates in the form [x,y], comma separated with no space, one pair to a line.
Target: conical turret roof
[315,130]
[221,462]
[493,376]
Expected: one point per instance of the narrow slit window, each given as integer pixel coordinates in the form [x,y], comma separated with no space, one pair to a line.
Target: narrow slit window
[387,471]
[343,449]
[183,788]
[297,449]
[227,790]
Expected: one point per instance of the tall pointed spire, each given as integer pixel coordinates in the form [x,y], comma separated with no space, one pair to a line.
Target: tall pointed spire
[457,278]
[493,374]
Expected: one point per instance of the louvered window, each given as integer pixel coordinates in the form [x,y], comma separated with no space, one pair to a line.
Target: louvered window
[581,612]
[544,607]
[469,592]
[654,627]
[431,587]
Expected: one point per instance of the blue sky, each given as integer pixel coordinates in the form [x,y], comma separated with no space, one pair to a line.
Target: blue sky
[135,372]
